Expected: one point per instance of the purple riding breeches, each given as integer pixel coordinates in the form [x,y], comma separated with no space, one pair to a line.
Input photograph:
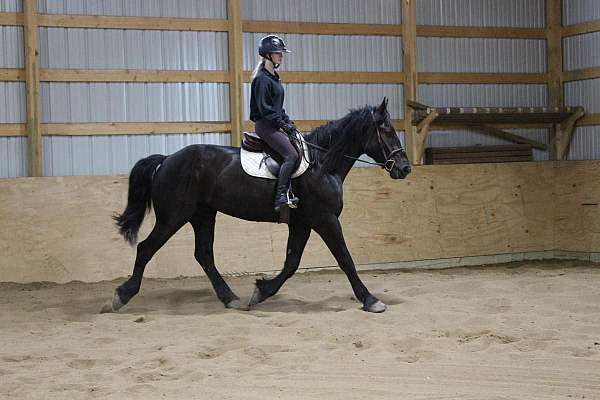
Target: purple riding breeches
[277,140]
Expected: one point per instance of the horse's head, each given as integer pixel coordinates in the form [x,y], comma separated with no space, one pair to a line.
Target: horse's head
[383,145]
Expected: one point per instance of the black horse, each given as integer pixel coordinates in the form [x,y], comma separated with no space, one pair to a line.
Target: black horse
[198,181]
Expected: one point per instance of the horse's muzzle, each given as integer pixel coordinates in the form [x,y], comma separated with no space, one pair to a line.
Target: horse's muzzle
[400,171]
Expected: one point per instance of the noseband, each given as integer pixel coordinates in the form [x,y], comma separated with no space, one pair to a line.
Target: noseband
[389,163]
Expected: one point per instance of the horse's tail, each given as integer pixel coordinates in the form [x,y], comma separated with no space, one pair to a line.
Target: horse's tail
[139,197]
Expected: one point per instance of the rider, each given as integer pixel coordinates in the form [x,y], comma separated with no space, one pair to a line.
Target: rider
[266,110]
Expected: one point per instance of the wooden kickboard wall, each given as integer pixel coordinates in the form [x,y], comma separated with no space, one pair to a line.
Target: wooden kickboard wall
[60,229]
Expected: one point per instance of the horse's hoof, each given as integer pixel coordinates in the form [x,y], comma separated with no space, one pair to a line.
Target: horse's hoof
[117,303]
[377,307]
[256,297]
[237,305]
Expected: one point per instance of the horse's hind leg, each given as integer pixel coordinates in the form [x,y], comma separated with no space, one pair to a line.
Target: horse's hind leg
[203,223]
[265,288]
[145,251]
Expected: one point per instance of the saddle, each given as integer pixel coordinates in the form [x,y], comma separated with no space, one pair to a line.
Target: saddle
[260,160]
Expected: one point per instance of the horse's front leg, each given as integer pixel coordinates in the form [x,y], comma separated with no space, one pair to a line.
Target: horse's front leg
[331,232]
[265,288]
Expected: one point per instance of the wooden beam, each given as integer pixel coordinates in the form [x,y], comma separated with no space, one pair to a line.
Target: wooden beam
[236,67]
[309,125]
[589,119]
[153,23]
[11,19]
[478,78]
[336,77]
[554,44]
[12,74]
[411,78]
[132,128]
[563,133]
[581,74]
[480,32]
[13,130]
[580,29]
[32,88]
[126,75]
[319,28]
[490,130]
[422,132]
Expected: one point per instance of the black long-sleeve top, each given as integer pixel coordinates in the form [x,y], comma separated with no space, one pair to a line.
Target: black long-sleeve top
[266,99]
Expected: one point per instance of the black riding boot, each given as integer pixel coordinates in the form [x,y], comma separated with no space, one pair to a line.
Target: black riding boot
[282,199]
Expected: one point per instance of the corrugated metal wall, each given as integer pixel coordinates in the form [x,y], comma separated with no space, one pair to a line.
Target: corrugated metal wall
[583,51]
[11,6]
[578,11]
[137,8]
[480,55]
[514,13]
[340,11]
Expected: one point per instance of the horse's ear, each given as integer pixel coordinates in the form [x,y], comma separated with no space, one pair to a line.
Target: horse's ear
[383,106]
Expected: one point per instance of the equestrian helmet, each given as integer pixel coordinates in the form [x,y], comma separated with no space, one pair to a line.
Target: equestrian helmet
[272,44]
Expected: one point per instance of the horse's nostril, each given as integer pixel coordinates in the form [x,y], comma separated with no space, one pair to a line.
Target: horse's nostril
[406,169]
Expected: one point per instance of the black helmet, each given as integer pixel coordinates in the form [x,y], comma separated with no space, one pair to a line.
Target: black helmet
[272,44]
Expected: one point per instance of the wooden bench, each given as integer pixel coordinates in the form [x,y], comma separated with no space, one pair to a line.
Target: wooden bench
[479,154]
[487,120]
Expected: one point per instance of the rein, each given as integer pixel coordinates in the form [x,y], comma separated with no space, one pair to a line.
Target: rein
[388,165]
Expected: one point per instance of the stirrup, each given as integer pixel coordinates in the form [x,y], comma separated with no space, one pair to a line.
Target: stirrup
[291,201]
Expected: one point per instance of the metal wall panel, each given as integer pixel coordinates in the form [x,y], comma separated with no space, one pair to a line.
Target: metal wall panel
[584,93]
[582,51]
[514,13]
[110,155]
[134,102]
[333,101]
[332,53]
[11,47]
[481,55]
[578,11]
[133,49]
[11,6]
[13,157]
[585,144]
[484,95]
[137,8]
[460,138]
[12,102]
[342,11]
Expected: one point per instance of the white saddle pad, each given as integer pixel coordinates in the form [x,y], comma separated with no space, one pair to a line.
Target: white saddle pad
[253,163]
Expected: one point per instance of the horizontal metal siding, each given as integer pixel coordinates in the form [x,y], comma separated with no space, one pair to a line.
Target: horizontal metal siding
[332,53]
[133,49]
[481,55]
[11,6]
[582,51]
[333,101]
[13,157]
[585,144]
[134,102]
[463,138]
[584,93]
[484,95]
[513,13]
[578,11]
[12,102]
[341,11]
[110,155]
[137,8]
[11,47]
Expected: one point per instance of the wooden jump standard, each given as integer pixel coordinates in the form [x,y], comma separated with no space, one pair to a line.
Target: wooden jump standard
[483,119]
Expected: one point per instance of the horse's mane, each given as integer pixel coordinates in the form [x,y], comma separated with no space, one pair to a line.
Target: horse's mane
[339,135]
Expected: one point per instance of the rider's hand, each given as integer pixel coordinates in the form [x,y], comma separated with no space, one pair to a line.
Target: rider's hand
[289,128]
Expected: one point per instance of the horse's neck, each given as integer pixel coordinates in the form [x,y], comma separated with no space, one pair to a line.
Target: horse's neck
[345,164]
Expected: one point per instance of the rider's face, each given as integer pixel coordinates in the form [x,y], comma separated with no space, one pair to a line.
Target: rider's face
[277,58]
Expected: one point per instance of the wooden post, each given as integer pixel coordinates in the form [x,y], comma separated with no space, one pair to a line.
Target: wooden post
[32,85]
[555,66]
[409,46]
[236,70]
